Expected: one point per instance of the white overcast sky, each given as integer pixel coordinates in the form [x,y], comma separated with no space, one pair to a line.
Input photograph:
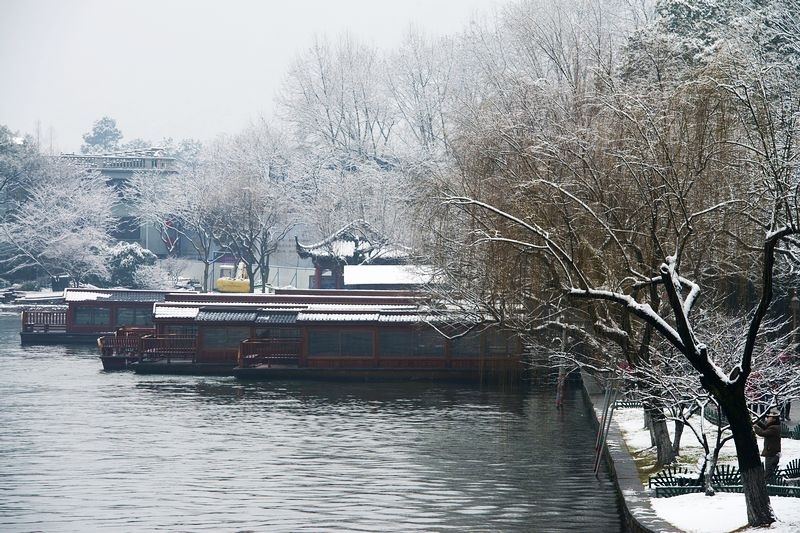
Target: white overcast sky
[178,68]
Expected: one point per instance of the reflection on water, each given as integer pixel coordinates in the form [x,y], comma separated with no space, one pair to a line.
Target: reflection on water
[85,450]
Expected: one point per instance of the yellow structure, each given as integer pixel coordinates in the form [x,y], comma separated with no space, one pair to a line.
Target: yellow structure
[238,283]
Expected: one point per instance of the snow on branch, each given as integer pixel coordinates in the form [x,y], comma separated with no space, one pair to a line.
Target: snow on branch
[562,256]
[594,215]
[643,311]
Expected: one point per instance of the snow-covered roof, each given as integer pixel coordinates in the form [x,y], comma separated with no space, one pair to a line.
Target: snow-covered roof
[398,318]
[376,275]
[277,317]
[338,317]
[169,311]
[355,243]
[220,315]
[281,314]
[112,295]
[331,308]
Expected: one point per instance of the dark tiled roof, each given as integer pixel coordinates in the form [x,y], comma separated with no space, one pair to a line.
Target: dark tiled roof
[276,317]
[138,297]
[225,316]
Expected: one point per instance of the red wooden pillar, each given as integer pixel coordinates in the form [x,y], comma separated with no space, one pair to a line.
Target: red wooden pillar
[338,275]
[317,277]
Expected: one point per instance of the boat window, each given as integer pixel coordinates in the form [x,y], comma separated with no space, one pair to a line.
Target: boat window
[278,333]
[94,316]
[183,330]
[468,345]
[429,343]
[134,316]
[340,343]
[404,343]
[215,338]
[357,343]
[322,343]
[500,342]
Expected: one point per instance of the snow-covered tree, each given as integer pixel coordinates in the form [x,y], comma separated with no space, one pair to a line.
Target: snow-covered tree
[62,223]
[420,76]
[335,102]
[124,261]
[19,161]
[182,204]
[104,137]
[257,204]
[338,109]
[608,204]
[669,372]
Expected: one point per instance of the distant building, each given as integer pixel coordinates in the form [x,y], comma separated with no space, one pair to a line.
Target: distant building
[118,167]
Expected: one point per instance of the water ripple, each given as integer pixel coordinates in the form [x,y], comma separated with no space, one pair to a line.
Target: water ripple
[85,450]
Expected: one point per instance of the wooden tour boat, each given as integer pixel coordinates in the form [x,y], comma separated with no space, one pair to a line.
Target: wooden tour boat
[121,353]
[88,314]
[318,334]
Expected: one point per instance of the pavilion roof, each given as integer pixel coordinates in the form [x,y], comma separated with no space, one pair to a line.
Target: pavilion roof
[354,244]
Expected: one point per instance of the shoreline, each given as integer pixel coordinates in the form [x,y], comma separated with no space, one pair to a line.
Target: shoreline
[639,515]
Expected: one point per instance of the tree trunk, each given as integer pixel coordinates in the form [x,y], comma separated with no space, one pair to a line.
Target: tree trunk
[676,439]
[759,509]
[648,423]
[250,277]
[733,403]
[264,277]
[660,433]
[206,267]
[711,464]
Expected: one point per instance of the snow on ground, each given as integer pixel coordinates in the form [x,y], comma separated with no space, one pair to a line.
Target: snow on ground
[724,512]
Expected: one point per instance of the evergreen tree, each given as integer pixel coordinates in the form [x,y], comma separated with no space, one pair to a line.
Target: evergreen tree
[104,137]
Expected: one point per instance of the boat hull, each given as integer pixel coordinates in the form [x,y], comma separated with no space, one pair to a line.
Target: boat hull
[113,363]
[178,367]
[377,374]
[59,337]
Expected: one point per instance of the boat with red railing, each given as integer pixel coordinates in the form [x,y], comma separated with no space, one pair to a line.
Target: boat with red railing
[118,351]
[317,334]
[88,313]
[327,334]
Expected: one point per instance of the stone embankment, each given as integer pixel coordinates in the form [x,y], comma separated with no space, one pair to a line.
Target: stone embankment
[633,497]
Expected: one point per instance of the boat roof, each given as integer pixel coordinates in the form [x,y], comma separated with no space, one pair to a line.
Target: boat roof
[285,314]
[81,294]
[299,297]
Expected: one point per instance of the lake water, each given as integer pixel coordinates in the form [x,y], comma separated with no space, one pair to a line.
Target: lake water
[85,450]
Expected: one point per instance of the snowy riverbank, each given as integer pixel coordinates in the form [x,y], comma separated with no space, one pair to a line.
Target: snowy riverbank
[697,513]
